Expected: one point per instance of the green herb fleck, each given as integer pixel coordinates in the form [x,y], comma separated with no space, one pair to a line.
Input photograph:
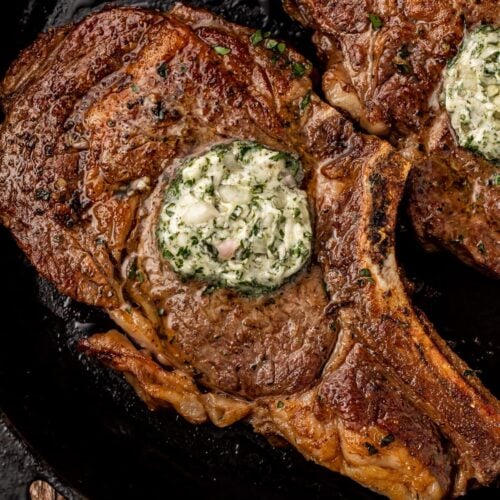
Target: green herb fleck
[281,47]
[372,450]
[162,70]
[222,51]
[184,252]
[209,290]
[375,21]
[134,87]
[278,156]
[236,212]
[280,405]
[271,43]
[298,69]
[42,194]
[132,270]
[387,440]
[306,100]
[481,247]
[402,67]
[168,254]
[257,37]
[365,273]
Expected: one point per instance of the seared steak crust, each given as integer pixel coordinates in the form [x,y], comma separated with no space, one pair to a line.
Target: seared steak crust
[406,44]
[93,133]
[384,66]
[453,200]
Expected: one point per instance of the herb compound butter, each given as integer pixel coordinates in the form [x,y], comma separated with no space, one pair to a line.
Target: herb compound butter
[236,217]
[472,92]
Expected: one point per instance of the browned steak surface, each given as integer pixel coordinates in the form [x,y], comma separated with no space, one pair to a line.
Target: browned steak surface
[336,361]
[387,73]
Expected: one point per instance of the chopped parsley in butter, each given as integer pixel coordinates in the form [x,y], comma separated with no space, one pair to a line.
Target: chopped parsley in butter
[472,92]
[236,217]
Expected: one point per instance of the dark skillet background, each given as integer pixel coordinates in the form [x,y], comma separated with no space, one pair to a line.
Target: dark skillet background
[78,425]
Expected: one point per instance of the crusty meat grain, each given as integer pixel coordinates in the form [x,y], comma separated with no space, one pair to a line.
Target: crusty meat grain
[336,361]
[384,64]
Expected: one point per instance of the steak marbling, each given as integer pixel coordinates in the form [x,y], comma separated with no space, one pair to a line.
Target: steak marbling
[336,361]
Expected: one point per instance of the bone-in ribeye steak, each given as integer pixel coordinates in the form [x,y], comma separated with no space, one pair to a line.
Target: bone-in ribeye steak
[384,66]
[336,361]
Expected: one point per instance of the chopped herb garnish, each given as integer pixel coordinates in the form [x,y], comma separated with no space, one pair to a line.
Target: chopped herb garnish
[162,69]
[271,44]
[387,440]
[372,450]
[132,270]
[481,247]
[236,212]
[279,156]
[222,51]
[257,37]
[168,254]
[298,69]
[184,252]
[375,21]
[403,67]
[209,290]
[365,273]
[159,111]
[258,189]
[366,276]
[134,87]
[42,194]
[281,47]
[306,100]
[280,405]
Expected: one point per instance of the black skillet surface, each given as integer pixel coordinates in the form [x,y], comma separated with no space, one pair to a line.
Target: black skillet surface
[81,427]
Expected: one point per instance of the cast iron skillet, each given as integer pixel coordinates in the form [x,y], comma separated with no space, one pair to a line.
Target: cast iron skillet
[81,427]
